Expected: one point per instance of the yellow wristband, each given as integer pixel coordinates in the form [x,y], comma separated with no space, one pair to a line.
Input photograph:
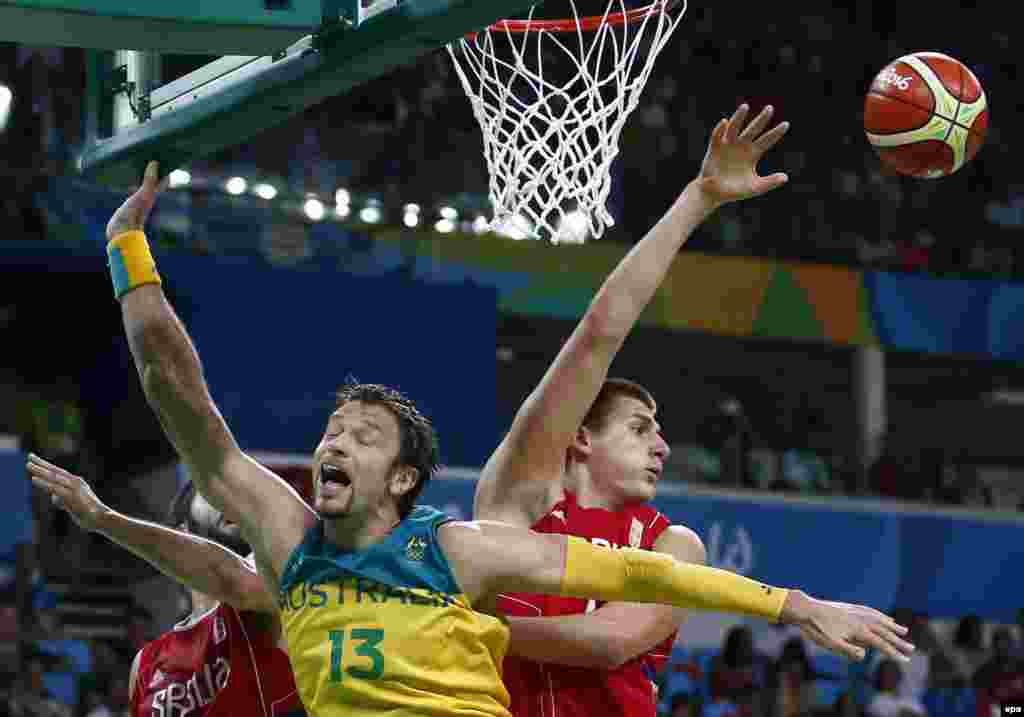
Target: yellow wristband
[131,263]
[632,575]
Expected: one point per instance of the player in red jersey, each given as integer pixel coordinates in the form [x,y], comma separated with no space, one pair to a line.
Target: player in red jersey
[584,455]
[225,659]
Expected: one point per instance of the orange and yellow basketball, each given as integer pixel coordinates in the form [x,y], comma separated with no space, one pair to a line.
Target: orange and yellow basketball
[926,115]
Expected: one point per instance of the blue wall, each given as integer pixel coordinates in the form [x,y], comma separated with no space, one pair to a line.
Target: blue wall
[276,343]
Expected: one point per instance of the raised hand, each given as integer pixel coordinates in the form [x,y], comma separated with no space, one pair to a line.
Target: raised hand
[849,630]
[67,492]
[729,172]
[133,213]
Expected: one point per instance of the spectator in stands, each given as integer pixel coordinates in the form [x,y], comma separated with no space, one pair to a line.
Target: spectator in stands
[30,698]
[1001,679]
[737,673]
[968,649]
[792,692]
[682,705]
[95,701]
[887,701]
[769,638]
[941,668]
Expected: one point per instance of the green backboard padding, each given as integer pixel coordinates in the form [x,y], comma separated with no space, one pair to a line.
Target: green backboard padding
[219,27]
[289,86]
[295,13]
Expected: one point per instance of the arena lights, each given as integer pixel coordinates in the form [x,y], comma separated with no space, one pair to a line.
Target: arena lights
[236,186]
[370,214]
[480,224]
[342,197]
[178,178]
[572,229]
[6,97]
[445,226]
[341,211]
[263,190]
[314,209]
[449,213]
[516,227]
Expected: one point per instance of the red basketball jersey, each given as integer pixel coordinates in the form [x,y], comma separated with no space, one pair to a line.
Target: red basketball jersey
[220,665]
[547,690]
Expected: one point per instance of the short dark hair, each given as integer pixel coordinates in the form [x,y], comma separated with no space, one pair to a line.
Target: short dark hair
[419,446]
[612,388]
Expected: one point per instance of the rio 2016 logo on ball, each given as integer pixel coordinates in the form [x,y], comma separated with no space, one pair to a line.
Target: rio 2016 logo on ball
[926,115]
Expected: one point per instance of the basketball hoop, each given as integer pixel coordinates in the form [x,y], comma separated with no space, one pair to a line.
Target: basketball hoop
[551,97]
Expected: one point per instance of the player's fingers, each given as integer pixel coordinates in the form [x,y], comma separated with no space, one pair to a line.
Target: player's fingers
[770,138]
[757,125]
[894,640]
[850,650]
[736,122]
[152,176]
[719,133]
[42,473]
[48,470]
[869,638]
[35,460]
[772,181]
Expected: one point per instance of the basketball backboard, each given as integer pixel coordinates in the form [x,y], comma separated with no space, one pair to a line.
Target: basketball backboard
[306,51]
[225,27]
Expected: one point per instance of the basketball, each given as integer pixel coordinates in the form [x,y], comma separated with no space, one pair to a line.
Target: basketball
[926,115]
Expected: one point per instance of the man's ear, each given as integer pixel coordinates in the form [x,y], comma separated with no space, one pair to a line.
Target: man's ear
[403,480]
[582,445]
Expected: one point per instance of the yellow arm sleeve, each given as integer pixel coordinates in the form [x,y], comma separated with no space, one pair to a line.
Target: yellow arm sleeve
[632,575]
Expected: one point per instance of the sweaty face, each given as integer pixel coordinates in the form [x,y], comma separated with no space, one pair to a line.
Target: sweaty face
[355,460]
[211,523]
[628,453]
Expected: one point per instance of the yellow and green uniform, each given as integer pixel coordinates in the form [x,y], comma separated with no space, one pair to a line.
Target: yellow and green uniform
[386,630]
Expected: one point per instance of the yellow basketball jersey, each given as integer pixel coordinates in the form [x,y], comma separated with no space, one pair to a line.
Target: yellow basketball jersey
[386,630]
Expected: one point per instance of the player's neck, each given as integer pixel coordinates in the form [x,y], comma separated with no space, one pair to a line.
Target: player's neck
[201,604]
[589,494]
[353,533]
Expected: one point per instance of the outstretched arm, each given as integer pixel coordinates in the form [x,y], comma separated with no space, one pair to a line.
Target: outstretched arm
[520,480]
[613,634]
[488,558]
[272,515]
[191,560]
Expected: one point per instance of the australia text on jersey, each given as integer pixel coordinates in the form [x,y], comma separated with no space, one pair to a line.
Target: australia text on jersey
[357,591]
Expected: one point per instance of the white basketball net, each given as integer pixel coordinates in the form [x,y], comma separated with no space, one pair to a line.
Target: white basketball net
[551,106]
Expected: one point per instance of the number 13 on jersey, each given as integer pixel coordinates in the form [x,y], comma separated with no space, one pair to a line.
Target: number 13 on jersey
[362,644]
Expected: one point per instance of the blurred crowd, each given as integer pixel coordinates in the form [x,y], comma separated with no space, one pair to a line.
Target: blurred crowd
[772,671]
[44,673]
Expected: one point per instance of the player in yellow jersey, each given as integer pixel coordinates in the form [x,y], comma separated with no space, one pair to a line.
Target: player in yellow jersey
[385,606]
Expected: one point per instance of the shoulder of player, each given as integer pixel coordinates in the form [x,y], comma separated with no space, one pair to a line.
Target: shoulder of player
[681,543]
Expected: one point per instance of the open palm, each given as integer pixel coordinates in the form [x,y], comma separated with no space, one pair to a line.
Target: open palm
[729,172]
